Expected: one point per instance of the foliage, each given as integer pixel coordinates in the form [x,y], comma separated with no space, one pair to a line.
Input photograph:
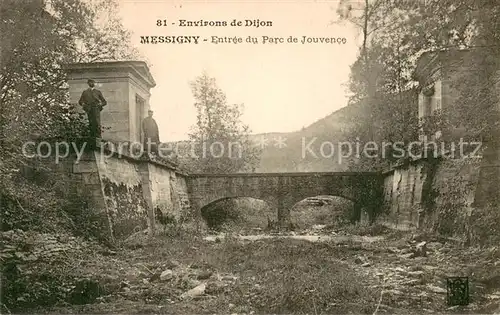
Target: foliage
[38,39]
[29,202]
[483,226]
[34,96]
[38,270]
[33,91]
[395,35]
[221,142]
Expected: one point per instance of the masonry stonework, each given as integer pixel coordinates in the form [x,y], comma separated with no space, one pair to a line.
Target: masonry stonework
[123,191]
[282,190]
[435,195]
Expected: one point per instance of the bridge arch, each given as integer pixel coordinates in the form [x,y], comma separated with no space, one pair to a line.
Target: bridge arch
[282,190]
[321,210]
[244,212]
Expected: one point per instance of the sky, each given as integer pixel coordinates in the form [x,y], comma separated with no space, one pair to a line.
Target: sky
[283,87]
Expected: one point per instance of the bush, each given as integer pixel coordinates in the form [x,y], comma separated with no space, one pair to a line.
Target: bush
[28,206]
[484,226]
[38,269]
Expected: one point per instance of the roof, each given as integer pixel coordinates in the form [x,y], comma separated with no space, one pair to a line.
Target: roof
[139,68]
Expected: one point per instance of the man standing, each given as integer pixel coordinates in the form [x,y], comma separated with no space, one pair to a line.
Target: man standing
[92,102]
[151,133]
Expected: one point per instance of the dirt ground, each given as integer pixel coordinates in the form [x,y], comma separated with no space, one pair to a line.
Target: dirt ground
[333,272]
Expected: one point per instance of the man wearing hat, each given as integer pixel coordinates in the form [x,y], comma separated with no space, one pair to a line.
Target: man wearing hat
[92,102]
[151,133]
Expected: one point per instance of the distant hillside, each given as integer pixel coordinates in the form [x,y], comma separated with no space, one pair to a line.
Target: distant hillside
[295,157]
[291,154]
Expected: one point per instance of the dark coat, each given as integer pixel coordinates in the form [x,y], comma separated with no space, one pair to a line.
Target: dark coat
[91,98]
[150,129]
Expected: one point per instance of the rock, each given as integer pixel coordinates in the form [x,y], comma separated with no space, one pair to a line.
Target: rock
[155,277]
[194,266]
[231,305]
[411,282]
[318,226]
[405,250]
[172,264]
[204,275]
[229,278]
[194,292]
[408,256]
[393,292]
[493,296]
[366,264]
[434,246]
[421,249]
[429,267]
[215,287]
[393,250]
[358,260]
[417,273]
[166,275]
[108,252]
[436,289]
[191,283]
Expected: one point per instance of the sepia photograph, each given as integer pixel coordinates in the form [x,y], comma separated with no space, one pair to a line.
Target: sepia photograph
[250,157]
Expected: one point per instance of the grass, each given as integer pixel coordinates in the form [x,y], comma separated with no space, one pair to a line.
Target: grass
[292,281]
[272,277]
[278,276]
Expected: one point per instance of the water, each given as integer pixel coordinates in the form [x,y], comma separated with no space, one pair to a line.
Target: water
[310,238]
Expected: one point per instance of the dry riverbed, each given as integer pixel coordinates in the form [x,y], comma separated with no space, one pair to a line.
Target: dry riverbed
[323,273]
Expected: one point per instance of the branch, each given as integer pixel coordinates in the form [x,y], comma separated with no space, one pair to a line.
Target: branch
[381,26]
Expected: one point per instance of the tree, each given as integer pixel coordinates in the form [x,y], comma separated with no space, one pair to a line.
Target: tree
[220,140]
[477,108]
[379,84]
[395,35]
[33,94]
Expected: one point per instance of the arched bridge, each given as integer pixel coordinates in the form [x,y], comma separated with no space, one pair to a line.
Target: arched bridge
[283,190]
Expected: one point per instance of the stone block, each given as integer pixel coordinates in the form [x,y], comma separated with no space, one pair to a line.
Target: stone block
[90,178]
[85,167]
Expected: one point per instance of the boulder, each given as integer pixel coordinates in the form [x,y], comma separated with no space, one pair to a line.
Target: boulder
[421,249]
[166,275]
[194,292]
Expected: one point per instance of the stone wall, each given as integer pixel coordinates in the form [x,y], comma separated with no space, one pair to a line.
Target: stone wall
[123,191]
[166,189]
[431,194]
[452,196]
